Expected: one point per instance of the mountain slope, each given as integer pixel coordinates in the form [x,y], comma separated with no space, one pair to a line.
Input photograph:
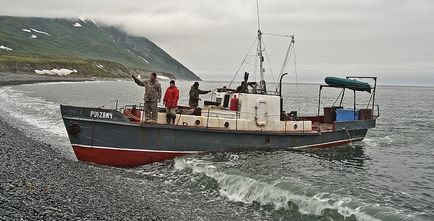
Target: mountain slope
[85,40]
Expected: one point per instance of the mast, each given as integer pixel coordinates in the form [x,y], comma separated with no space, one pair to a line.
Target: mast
[262,85]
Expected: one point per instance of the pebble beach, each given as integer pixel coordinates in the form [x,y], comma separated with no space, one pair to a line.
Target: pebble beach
[38,183]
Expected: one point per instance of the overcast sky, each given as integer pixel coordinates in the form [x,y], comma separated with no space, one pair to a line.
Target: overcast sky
[393,39]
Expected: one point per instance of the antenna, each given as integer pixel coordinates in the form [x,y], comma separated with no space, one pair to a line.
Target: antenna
[257,12]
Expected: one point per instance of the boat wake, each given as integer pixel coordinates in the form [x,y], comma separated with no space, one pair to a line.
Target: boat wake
[37,117]
[239,188]
[377,142]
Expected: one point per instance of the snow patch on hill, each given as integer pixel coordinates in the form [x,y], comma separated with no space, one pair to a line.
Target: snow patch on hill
[143,59]
[41,32]
[59,72]
[162,77]
[5,48]
[83,19]
[95,23]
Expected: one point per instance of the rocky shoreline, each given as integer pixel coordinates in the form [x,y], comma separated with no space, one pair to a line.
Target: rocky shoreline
[38,183]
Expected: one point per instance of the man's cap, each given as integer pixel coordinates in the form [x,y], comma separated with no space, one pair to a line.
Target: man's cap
[172,81]
[154,74]
[196,83]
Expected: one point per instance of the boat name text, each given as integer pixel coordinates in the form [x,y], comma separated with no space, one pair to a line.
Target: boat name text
[100,114]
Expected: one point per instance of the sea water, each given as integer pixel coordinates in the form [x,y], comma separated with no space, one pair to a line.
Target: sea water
[387,176]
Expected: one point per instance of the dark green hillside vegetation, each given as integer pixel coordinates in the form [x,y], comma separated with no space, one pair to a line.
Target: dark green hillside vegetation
[84,67]
[44,43]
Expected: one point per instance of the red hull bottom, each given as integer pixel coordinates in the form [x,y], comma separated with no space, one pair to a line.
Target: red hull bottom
[121,158]
[133,158]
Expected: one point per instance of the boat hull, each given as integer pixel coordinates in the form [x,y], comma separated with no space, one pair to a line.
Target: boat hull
[123,144]
[120,157]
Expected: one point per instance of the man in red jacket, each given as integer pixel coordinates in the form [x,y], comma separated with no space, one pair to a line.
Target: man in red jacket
[170,100]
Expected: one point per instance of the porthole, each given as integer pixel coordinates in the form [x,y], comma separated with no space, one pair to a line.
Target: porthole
[226,124]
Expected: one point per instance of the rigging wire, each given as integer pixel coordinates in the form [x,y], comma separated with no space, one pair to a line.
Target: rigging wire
[296,79]
[280,35]
[285,61]
[236,73]
[269,64]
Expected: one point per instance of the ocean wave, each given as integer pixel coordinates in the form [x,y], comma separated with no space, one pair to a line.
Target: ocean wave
[239,188]
[36,116]
[32,110]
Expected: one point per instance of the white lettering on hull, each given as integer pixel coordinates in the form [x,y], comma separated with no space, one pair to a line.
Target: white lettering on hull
[100,114]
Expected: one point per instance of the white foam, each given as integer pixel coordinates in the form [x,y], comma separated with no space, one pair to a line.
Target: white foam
[378,141]
[248,190]
[59,72]
[33,36]
[5,48]
[99,66]
[41,32]
[26,30]
[77,24]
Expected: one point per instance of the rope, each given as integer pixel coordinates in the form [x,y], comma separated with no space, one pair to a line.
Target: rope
[338,97]
[179,118]
[349,136]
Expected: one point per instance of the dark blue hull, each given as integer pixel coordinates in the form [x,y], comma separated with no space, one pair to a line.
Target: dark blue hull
[116,141]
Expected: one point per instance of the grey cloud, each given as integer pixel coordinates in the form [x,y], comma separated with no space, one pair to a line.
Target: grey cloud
[390,38]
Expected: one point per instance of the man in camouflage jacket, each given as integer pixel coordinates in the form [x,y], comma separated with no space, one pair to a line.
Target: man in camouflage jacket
[152,95]
[194,95]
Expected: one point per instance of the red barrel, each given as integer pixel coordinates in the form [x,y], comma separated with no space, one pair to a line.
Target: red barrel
[234,103]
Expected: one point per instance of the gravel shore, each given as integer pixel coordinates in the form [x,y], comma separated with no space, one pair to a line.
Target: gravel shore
[38,183]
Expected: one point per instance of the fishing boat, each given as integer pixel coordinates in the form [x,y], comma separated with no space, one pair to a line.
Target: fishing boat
[247,118]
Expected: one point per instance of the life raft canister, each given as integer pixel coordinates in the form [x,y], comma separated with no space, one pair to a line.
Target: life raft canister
[234,103]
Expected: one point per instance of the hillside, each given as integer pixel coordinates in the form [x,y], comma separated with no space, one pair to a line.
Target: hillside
[28,44]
